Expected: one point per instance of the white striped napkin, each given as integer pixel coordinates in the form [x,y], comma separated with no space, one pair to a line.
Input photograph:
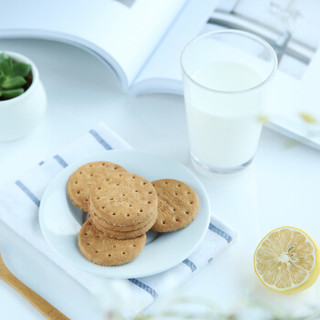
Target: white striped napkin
[20,200]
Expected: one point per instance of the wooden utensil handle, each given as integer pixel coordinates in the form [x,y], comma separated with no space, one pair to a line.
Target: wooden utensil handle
[41,304]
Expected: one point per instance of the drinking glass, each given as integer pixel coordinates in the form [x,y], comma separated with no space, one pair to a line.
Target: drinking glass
[225,76]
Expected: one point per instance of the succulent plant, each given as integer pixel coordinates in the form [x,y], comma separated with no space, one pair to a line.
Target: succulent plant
[15,77]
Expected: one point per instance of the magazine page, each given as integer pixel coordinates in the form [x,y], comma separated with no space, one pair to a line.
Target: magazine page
[123,32]
[163,72]
[294,105]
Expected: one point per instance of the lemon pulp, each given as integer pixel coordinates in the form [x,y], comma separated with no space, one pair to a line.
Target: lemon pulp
[287,260]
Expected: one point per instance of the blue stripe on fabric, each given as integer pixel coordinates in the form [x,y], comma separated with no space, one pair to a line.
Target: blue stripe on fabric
[145,287]
[190,264]
[28,193]
[221,233]
[60,161]
[100,139]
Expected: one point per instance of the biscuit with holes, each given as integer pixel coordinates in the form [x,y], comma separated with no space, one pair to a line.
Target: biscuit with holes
[102,250]
[178,205]
[124,234]
[123,199]
[105,225]
[80,181]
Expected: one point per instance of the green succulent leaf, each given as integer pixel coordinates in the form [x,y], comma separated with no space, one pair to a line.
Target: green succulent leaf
[6,66]
[2,57]
[13,82]
[2,78]
[20,69]
[13,77]
[9,94]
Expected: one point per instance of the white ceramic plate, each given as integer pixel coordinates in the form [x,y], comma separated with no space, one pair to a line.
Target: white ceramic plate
[60,221]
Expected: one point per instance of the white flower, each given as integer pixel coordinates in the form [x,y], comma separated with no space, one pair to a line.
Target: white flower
[112,297]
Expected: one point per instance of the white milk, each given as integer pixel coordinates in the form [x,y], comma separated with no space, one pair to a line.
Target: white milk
[223,126]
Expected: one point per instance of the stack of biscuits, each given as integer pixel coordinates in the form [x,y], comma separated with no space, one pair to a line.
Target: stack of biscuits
[122,207]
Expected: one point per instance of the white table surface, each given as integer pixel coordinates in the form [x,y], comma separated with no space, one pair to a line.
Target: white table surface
[280,188]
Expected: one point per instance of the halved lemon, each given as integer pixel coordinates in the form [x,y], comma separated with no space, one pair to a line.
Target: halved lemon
[287,260]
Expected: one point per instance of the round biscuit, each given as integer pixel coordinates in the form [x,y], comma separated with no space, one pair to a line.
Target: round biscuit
[102,250]
[178,205]
[116,234]
[94,217]
[123,199]
[80,181]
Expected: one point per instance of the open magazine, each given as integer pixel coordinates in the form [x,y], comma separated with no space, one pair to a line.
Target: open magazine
[142,41]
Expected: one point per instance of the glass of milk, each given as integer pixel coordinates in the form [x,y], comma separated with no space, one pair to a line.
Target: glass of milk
[225,76]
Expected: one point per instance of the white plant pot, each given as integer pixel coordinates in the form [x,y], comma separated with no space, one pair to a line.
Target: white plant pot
[19,115]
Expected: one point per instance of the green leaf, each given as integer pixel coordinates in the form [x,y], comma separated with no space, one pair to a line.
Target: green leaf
[2,57]
[2,78]
[9,94]
[6,66]
[20,69]
[13,82]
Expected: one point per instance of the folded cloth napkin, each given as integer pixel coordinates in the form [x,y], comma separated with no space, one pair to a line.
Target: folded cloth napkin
[20,200]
